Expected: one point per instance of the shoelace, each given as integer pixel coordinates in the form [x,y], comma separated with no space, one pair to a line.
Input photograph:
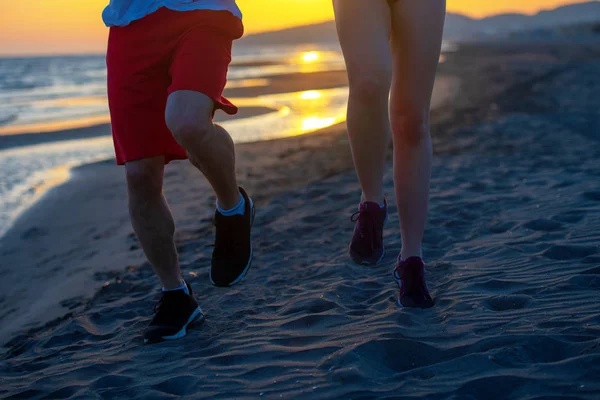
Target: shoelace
[356,216]
[363,229]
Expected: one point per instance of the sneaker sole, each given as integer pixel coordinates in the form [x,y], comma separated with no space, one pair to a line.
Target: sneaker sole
[412,304]
[245,271]
[360,261]
[239,278]
[197,316]
[398,281]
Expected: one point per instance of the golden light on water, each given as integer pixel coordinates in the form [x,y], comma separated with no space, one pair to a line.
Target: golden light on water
[315,105]
[315,123]
[53,126]
[73,101]
[55,177]
[310,95]
[294,114]
[310,56]
[285,111]
[308,60]
[96,104]
[248,83]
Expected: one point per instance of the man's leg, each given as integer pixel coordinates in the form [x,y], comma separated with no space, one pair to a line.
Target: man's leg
[211,150]
[138,86]
[209,146]
[152,219]
[155,229]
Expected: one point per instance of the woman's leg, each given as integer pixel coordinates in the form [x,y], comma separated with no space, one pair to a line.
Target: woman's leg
[417,28]
[364,32]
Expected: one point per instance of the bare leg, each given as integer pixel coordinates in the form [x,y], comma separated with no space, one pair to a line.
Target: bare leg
[209,146]
[417,28]
[364,32]
[152,219]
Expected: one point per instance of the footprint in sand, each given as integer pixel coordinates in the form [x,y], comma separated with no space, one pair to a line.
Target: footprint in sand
[593,196]
[507,302]
[178,386]
[569,252]
[570,217]
[544,225]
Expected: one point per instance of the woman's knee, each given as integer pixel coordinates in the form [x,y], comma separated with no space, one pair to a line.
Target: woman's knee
[371,87]
[411,128]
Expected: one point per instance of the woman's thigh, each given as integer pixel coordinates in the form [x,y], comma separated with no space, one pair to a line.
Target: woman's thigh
[416,38]
[364,28]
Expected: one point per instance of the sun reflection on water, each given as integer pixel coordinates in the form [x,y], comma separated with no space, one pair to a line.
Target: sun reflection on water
[296,113]
[311,56]
[310,95]
[315,123]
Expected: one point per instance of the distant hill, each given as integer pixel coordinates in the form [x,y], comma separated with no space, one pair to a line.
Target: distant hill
[458,27]
[582,31]
[318,33]
[505,24]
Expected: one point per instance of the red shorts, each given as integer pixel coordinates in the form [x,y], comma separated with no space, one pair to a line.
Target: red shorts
[155,56]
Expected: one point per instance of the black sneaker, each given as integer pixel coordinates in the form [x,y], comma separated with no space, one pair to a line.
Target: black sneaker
[232,256]
[173,313]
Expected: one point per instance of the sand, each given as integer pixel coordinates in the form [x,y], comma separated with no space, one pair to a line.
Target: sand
[511,245]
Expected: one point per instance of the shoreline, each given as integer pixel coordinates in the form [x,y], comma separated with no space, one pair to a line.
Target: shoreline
[14,140]
[69,146]
[275,84]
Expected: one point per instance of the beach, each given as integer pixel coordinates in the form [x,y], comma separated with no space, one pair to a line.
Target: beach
[512,252]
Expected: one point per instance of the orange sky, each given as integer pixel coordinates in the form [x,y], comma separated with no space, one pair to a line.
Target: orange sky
[74,26]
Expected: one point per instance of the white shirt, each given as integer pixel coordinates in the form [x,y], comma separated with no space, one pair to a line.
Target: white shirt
[123,12]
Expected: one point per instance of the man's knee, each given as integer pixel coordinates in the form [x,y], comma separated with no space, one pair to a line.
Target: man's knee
[189,117]
[189,129]
[145,177]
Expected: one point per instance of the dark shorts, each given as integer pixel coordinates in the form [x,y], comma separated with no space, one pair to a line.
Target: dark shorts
[155,56]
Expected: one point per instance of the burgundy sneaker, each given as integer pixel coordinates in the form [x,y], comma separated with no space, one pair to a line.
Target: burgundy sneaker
[410,275]
[366,247]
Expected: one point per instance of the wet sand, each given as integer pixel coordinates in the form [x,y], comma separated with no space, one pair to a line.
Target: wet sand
[511,245]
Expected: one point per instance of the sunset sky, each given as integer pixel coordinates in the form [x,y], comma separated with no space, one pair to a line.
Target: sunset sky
[75,26]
